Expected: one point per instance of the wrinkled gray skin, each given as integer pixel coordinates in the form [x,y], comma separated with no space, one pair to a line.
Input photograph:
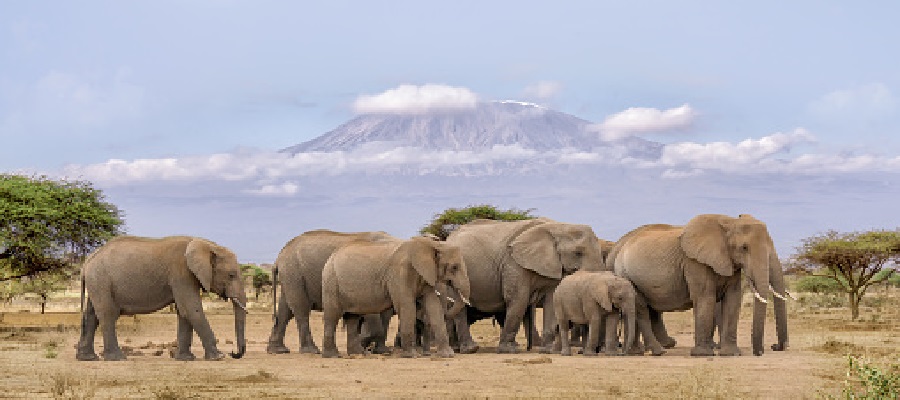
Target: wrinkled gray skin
[692,266]
[300,264]
[365,277]
[589,298]
[133,275]
[514,265]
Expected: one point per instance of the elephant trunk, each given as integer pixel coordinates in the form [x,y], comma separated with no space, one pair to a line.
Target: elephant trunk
[777,280]
[759,273]
[458,304]
[629,322]
[240,323]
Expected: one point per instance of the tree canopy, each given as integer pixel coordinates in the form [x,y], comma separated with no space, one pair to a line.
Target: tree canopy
[854,260]
[446,222]
[47,225]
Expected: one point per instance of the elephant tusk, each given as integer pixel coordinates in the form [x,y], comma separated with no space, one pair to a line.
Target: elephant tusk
[759,297]
[465,300]
[238,303]
[790,295]
[776,294]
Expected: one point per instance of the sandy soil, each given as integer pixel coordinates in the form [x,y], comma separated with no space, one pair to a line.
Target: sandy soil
[37,360]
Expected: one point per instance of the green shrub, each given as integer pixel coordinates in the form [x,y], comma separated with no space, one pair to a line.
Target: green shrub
[446,222]
[817,284]
[866,381]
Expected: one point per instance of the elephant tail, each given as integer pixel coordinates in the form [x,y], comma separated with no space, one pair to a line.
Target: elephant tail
[81,305]
[275,293]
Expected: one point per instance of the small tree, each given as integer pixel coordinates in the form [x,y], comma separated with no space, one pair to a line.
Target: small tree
[854,260]
[46,283]
[259,278]
[47,225]
[445,223]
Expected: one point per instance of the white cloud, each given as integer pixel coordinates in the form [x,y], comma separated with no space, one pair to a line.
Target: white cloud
[637,120]
[873,100]
[283,189]
[726,156]
[280,174]
[543,90]
[411,99]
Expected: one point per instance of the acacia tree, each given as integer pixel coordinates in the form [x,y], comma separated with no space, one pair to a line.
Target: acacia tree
[854,260]
[259,278]
[48,225]
[446,222]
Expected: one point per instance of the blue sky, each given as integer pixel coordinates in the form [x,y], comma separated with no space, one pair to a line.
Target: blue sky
[813,84]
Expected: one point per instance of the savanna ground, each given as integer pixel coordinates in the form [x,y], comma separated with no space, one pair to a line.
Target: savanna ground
[37,360]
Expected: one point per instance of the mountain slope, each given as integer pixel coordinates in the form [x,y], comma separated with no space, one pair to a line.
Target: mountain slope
[488,124]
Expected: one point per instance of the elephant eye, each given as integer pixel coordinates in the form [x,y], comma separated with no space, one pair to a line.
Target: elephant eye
[745,248]
[579,254]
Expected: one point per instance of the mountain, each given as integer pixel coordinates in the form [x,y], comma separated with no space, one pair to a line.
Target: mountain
[488,124]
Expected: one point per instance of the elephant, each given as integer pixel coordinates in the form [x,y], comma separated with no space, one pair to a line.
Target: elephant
[699,264]
[514,266]
[579,331]
[590,297]
[365,277]
[299,268]
[132,275]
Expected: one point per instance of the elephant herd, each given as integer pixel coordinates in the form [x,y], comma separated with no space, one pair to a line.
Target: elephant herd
[437,289]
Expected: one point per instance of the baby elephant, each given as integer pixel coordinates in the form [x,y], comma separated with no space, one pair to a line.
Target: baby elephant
[588,297]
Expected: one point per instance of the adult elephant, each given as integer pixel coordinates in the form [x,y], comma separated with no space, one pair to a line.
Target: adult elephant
[299,268]
[365,277]
[694,266]
[514,265]
[134,275]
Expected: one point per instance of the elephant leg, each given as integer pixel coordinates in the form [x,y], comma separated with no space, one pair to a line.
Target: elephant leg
[190,307]
[704,305]
[565,346]
[353,324]
[645,330]
[89,325]
[659,329]
[593,335]
[611,347]
[406,313]
[717,324]
[330,317]
[434,315]
[548,337]
[515,309]
[376,325]
[301,306]
[276,338]
[107,315]
[730,310]
[185,337]
[467,345]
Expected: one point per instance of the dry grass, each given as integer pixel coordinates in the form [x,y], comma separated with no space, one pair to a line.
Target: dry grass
[815,364]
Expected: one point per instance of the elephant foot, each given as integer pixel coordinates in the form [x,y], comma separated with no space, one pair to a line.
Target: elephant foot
[758,352]
[408,354]
[702,351]
[116,355]
[589,353]
[546,350]
[657,352]
[86,356]
[566,352]
[667,342]
[184,356]
[381,349]
[277,348]
[444,353]
[468,348]
[213,355]
[508,348]
[331,354]
[779,347]
[729,351]
[356,351]
[312,349]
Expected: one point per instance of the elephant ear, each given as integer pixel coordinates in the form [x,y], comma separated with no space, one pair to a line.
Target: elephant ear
[601,294]
[201,259]
[703,240]
[535,249]
[423,258]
